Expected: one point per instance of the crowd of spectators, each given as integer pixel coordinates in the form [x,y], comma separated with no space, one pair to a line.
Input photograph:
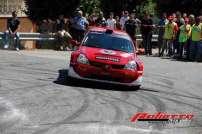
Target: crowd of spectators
[179,35]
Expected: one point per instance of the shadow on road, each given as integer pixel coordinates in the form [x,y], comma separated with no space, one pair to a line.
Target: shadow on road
[63,79]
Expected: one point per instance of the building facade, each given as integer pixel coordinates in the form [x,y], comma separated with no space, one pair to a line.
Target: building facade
[7,6]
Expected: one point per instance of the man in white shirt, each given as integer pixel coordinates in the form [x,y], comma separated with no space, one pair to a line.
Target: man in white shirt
[123,19]
[111,22]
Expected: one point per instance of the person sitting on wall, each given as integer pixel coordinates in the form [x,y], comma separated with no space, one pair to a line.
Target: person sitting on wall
[62,34]
[12,27]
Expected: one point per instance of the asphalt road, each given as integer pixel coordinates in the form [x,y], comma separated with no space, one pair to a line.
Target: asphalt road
[36,98]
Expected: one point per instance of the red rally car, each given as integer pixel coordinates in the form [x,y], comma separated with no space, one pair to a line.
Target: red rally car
[107,55]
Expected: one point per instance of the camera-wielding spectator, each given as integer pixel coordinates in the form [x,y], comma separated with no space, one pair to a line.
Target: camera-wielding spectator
[12,27]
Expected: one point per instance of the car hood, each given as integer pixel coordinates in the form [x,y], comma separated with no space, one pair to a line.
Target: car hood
[107,56]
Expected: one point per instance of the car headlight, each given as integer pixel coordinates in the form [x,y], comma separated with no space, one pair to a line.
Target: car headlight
[132,65]
[82,59]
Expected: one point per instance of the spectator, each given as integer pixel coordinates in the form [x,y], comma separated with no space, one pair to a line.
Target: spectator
[185,16]
[43,27]
[161,28]
[191,19]
[135,17]
[122,13]
[101,21]
[196,38]
[185,32]
[180,21]
[46,26]
[191,22]
[168,37]
[80,25]
[118,25]
[51,26]
[60,23]
[130,27]
[62,35]
[12,27]
[123,19]
[111,22]
[92,19]
[146,30]
[174,16]
[72,25]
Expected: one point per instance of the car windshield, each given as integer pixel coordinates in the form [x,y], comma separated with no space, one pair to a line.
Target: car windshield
[109,41]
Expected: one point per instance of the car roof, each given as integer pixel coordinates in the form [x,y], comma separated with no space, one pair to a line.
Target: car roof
[103,30]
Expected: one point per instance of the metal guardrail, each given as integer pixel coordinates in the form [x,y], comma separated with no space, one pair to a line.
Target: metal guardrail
[49,37]
[34,36]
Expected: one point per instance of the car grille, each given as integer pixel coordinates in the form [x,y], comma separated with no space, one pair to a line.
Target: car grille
[102,65]
[108,58]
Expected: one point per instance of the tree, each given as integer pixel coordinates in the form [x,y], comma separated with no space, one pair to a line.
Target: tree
[117,6]
[188,6]
[90,6]
[43,9]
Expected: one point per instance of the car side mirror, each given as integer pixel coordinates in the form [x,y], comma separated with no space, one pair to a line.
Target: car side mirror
[75,44]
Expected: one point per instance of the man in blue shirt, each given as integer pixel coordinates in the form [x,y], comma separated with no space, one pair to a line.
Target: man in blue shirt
[80,25]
